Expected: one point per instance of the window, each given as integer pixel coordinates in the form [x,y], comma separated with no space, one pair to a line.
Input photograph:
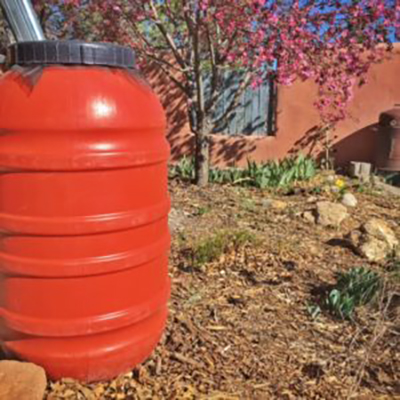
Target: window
[256,112]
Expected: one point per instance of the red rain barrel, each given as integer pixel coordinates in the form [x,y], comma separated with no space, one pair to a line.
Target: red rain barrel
[84,204]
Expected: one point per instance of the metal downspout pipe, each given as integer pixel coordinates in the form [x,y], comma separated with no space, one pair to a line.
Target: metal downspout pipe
[23,20]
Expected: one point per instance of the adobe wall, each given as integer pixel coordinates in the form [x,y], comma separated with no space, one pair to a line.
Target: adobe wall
[296,119]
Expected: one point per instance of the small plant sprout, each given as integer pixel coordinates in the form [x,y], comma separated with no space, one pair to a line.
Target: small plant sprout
[354,288]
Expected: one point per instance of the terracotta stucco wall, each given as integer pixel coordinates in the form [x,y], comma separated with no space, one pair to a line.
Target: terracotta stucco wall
[296,118]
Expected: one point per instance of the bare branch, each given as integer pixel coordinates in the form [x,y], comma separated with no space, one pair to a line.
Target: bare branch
[153,55]
[214,73]
[198,76]
[167,36]
[228,48]
[164,68]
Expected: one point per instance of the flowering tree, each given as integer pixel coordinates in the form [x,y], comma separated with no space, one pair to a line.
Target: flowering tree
[333,42]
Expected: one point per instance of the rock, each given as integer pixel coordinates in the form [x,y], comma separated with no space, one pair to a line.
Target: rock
[349,200]
[279,205]
[330,214]
[21,381]
[275,204]
[334,189]
[374,250]
[309,216]
[355,237]
[380,230]
[360,170]
[388,188]
[374,240]
[330,176]
[312,199]
[176,220]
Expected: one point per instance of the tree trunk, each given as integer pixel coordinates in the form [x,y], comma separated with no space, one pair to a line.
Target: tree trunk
[202,157]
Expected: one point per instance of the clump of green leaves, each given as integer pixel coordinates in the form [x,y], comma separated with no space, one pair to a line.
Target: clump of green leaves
[202,210]
[278,174]
[229,175]
[184,169]
[213,247]
[354,288]
[272,174]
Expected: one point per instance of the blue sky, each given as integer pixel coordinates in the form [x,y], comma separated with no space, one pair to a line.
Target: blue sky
[325,6]
[322,4]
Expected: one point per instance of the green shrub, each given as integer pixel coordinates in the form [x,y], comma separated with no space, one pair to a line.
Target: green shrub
[277,174]
[354,288]
[184,169]
[273,174]
[213,247]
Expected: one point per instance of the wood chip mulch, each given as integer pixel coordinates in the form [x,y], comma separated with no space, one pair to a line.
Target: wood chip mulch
[239,327]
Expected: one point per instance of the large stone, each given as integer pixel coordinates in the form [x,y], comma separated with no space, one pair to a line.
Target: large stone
[21,381]
[374,240]
[309,216]
[278,205]
[379,229]
[349,200]
[360,170]
[374,249]
[330,214]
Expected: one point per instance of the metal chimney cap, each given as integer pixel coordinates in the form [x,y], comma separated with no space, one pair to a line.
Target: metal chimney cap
[70,53]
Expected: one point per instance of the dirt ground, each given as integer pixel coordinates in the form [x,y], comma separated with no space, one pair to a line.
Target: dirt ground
[239,326]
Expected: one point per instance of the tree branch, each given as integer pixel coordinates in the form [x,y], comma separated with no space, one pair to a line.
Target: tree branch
[153,55]
[228,47]
[215,95]
[180,60]
[163,66]
[198,77]
[214,73]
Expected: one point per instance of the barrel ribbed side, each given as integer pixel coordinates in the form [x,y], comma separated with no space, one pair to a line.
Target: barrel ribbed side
[84,208]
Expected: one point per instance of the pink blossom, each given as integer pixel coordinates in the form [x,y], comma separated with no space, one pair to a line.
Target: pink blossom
[254,35]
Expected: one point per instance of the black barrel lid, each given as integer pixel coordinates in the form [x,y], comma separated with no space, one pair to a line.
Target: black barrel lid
[70,53]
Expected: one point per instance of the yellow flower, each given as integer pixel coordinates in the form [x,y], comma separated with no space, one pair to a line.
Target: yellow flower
[340,183]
